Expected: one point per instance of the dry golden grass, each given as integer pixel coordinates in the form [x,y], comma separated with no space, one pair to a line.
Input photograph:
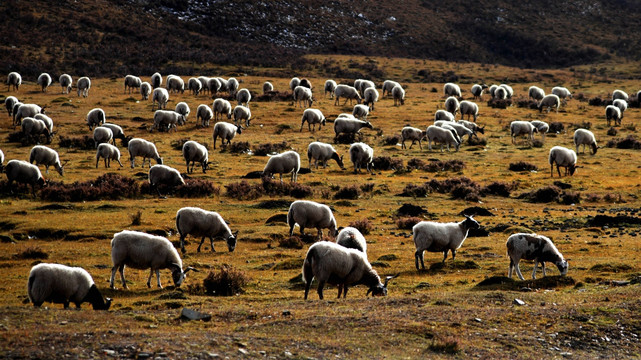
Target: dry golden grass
[426,313]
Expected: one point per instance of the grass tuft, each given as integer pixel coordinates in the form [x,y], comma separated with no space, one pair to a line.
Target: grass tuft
[228,281]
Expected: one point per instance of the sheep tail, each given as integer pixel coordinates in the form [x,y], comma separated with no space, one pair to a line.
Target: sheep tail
[307,266]
[290,219]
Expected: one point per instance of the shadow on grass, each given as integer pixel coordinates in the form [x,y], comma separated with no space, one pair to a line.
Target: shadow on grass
[508,284]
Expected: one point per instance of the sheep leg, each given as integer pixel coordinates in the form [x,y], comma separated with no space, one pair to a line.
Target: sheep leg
[113,275]
[109,162]
[536,265]
[510,268]
[412,144]
[151,273]
[201,243]
[211,241]
[308,284]
[419,145]
[302,229]
[321,285]
[543,267]
[558,170]
[340,290]
[119,163]
[418,255]
[344,291]
[518,270]
[444,256]
[66,304]
[122,276]
[453,254]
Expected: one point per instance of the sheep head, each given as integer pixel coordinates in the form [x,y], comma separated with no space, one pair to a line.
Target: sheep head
[563,267]
[231,241]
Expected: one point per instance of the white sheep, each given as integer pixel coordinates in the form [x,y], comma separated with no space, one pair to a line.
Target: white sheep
[183,109]
[222,107]
[204,81]
[9,103]
[399,95]
[46,156]
[349,126]
[243,96]
[303,96]
[443,115]
[225,131]
[414,134]
[469,108]
[312,117]
[141,251]
[364,85]
[533,247]
[613,113]
[194,85]
[204,115]
[452,105]
[161,96]
[223,84]
[47,120]
[175,84]
[163,175]
[284,163]
[362,156]
[370,97]
[83,85]
[232,86]
[442,136]
[388,85]
[536,93]
[267,87]
[293,83]
[562,93]
[144,148]
[473,126]
[145,90]
[500,93]
[461,130]
[33,128]
[492,90]
[24,173]
[132,82]
[549,101]
[101,135]
[44,80]
[167,120]
[117,132]
[585,137]
[446,125]
[202,223]
[440,237]
[451,89]
[541,127]
[14,79]
[242,113]
[26,110]
[620,94]
[519,127]
[509,92]
[347,92]
[214,85]
[156,80]
[330,87]
[621,104]
[108,152]
[351,238]
[310,214]
[562,157]
[323,152]
[63,284]
[360,111]
[193,153]
[477,91]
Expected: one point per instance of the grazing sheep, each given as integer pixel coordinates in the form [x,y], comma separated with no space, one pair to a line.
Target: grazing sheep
[549,101]
[267,87]
[446,125]
[214,85]
[44,80]
[472,126]
[108,152]
[351,238]
[175,84]
[195,153]
[145,90]
[541,127]
[33,128]
[62,284]
[305,83]
[101,135]
[183,109]
[492,90]
[303,96]
[451,89]
[223,84]
[167,120]
[370,96]
[348,92]
[26,110]
[242,113]
[452,105]
[536,93]
[164,175]
[500,93]
[243,96]
[141,251]
[221,106]
[621,104]
[334,264]
[161,96]
[293,83]
[116,131]
[388,85]
[613,113]
[562,93]
[477,91]
[194,86]
[203,115]
[399,95]
[585,137]
[364,85]
[468,108]
[323,152]
[9,103]
[533,247]
[620,94]
[144,148]
[202,223]
[156,80]
[47,120]
[132,82]
[414,134]
[232,86]
[284,163]
[441,135]
[46,156]
[360,111]
[313,117]
[83,85]
[461,130]
[362,155]
[24,173]
[443,115]
[204,82]
[349,126]
[310,214]
[518,127]
[330,87]
[95,117]
[509,92]
[436,237]
[14,79]
[225,131]
[14,111]
[562,157]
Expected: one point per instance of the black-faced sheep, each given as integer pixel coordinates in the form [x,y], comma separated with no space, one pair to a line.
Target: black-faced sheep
[549,101]
[267,87]
[585,137]
[312,117]
[132,82]
[24,173]
[533,247]
[370,96]
[243,96]
[145,90]
[14,79]
[160,96]
[226,132]
[201,223]
[203,115]
[32,129]
[519,128]
[303,97]
[44,80]
[194,86]
[470,109]
[398,93]
[344,125]
[101,135]
[477,91]
[156,80]
[613,113]
[414,134]
[442,136]
[452,105]
[536,93]
[83,85]
[222,107]
[330,87]
[347,92]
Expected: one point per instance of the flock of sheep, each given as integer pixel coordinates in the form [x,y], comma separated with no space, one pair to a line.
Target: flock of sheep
[343,263]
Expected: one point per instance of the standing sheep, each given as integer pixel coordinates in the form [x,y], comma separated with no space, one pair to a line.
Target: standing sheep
[549,101]
[44,80]
[242,113]
[175,84]
[370,96]
[533,247]
[203,115]
[108,152]
[193,153]
[156,80]
[436,237]
[509,92]
[620,94]
[500,93]
[442,136]
[145,90]
[477,91]
[46,156]
[183,109]
[225,131]
[536,93]
[232,86]
[388,85]
[360,111]
[313,117]
[323,152]
[469,108]
[473,126]
[9,103]
[541,127]
[562,157]
[163,175]
[461,130]
[267,87]
[243,96]
[349,126]
[443,115]
[305,83]
[362,156]
[83,84]
[14,79]
[348,92]
[399,95]
[194,86]
[101,135]
[518,127]
[144,148]
[585,137]
[204,81]
[562,93]
[24,173]
[47,120]
[284,163]
[202,223]
[167,120]
[310,214]
[293,83]
[221,106]
[25,110]
[613,113]
[451,89]
[95,117]
[161,96]
[364,85]
[132,82]
[621,104]
[330,87]
[414,134]
[452,105]
[303,96]
[117,132]
[33,128]
[351,238]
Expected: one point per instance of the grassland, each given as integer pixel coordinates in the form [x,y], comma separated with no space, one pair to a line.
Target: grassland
[436,313]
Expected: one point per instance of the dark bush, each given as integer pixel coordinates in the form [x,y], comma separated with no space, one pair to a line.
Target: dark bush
[273,96]
[136,218]
[527,103]
[406,223]
[569,198]
[561,185]
[18,137]
[436,165]
[276,188]
[178,144]
[108,186]
[228,281]
[499,103]
[237,147]
[415,191]
[612,131]
[363,225]
[243,190]
[195,187]
[82,143]
[499,188]
[448,185]
[343,138]
[465,192]
[350,192]
[629,142]
[522,166]
[545,194]
[596,101]
[367,187]
[387,163]
[584,125]
[31,253]
[391,140]
[410,210]
[537,143]
[291,242]
[556,127]
[476,141]
[270,148]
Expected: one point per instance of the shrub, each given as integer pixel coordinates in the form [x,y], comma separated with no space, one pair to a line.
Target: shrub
[347,139]
[351,192]
[569,198]
[545,194]
[108,186]
[387,163]
[596,101]
[363,225]
[436,165]
[612,131]
[556,127]
[237,147]
[476,141]
[178,144]
[527,103]
[415,191]
[136,218]
[197,188]
[243,190]
[276,188]
[31,252]
[273,96]
[367,187]
[583,125]
[228,281]
[449,346]
[522,166]
[18,137]
[629,142]
[391,140]
[537,143]
[466,192]
[291,242]
[270,148]
[499,103]
[499,188]
[83,143]
[407,223]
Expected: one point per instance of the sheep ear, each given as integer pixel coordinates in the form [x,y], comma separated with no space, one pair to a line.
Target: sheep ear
[189,268]
[235,234]
[388,278]
[368,291]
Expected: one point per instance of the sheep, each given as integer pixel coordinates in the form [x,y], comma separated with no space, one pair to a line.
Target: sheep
[477,91]
[101,135]
[44,80]
[536,93]
[156,80]
[132,82]
[541,127]
[243,96]
[446,125]
[108,152]
[14,79]
[225,131]
[441,135]
[161,96]
[388,85]
[323,152]
[492,90]
[284,163]
[242,113]
[360,111]
[361,155]
[83,85]
[221,106]
[313,117]
[562,157]
[549,101]
[46,156]
[351,238]
[47,120]
[293,83]
[140,250]
[164,175]
[472,126]
[509,92]
[443,115]
[500,93]
[533,247]
[349,126]
[305,83]
[620,94]
[414,134]
[364,85]
[116,131]
[167,120]
[370,96]
[348,92]
[214,85]
[202,223]
[452,105]
[1,161]
[145,90]
[62,284]
[195,153]
[585,137]
[468,108]
[194,85]
[461,130]
[16,106]
[357,84]
[26,110]
[518,127]
[621,104]
[267,87]
[451,89]
[144,148]
[332,263]
[223,84]
[303,96]
[232,86]
[436,237]
[330,87]
[204,82]
[310,214]
[613,113]
[33,128]
[204,114]
[399,95]
[175,84]
[183,109]
[25,173]
[562,93]
[9,103]
[95,117]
